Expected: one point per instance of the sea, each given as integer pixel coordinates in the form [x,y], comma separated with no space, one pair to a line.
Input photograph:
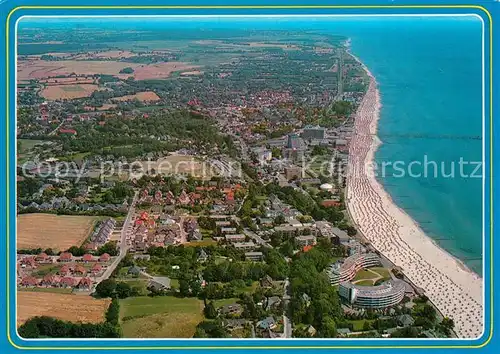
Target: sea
[429,72]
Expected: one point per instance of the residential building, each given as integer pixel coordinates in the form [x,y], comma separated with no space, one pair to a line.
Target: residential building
[235,238]
[244,245]
[308,240]
[254,256]
[159,283]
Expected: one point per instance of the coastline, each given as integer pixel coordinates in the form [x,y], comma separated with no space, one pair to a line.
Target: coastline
[454,289]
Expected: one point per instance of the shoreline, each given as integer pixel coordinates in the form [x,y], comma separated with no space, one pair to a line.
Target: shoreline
[451,286]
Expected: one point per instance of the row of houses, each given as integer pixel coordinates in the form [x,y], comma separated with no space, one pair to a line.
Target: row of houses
[65,257]
[54,281]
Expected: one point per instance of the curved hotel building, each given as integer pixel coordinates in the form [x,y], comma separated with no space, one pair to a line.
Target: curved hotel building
[346,271]
[387,294]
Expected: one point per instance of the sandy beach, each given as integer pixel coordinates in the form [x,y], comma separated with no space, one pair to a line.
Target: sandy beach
[452,288]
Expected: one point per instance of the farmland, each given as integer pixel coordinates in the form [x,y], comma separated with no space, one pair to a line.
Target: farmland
[68,92]
[141,96]
[160,317]
[39,69]
[58,232]
[67,307]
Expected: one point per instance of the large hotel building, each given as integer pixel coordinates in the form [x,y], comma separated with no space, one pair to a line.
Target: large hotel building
[346,271]
[387,294]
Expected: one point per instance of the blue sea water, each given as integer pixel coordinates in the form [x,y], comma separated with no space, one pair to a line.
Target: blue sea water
[430,79]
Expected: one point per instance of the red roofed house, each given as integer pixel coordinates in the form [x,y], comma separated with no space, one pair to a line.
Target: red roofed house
[85,284]
[64,270]
[104,257]
[96,269]
[43,258]
[65,257]
[307,248]
[28,262]
[68,282]
[330,203]
[87,258]
[79,270]
[29,281]
[67,131]
[50,280]
[90,246]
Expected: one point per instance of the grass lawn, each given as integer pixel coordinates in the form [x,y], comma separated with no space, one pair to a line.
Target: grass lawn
[27,144]
[248,289]
[202,243]
[366,282]
[160,317]
[45,269]
[222,302]
[358,324]
[174,283]
[48,290]
[384,272]
[364,274]
[140,283]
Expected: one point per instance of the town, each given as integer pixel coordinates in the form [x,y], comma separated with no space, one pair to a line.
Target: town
[172,199]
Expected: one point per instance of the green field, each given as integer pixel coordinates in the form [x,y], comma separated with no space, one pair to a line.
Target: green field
[160,317]
[222,302]
[48,290]
[372,275]
[365,282]
[365,274]
[203,243]
[384,272]
[357,325]
[27,144]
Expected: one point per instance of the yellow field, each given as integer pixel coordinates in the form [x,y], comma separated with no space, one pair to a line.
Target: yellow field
[58,232]
[68,92]
[67,307]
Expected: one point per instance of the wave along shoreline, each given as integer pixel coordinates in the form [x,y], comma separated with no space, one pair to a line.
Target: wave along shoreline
[450,285]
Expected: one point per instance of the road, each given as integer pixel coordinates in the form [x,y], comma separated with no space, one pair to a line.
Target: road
[55,130]
[123,241]
[256,238]
[287,324]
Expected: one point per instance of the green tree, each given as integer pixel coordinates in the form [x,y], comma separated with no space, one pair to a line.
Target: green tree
[106,288]
[113,312]
[210,310]
[123,290]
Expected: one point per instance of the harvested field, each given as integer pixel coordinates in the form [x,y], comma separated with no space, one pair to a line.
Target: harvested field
[108,54]
[160,70]
[68,92]
[67,307]
[39,69]
[141,96]
[192,73]
[68,80]
[58,232]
